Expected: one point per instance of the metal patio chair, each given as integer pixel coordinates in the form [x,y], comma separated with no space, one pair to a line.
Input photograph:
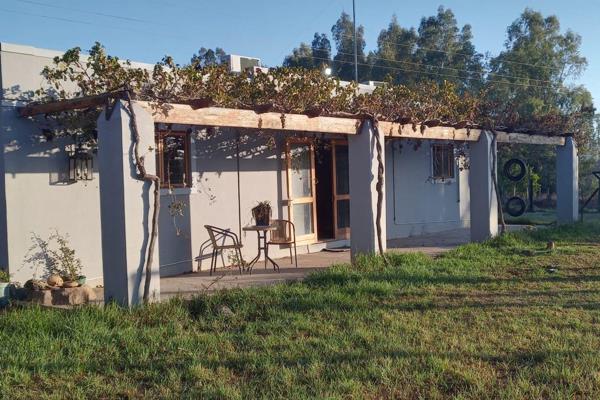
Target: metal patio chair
[223,239]
[285,234]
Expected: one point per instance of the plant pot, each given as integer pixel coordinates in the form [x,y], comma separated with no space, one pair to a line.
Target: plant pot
[4,293]
[81,280]
[263,220]
[70,284]
[262,214]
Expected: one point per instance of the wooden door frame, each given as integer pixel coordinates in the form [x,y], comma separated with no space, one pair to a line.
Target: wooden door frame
[311,238]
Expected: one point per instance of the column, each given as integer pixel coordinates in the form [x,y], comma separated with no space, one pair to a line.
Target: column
[484,205]
[126,206]
[362,153]
[567,182]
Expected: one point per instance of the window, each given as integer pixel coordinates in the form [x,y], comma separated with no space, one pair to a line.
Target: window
[443,161]
[173,159]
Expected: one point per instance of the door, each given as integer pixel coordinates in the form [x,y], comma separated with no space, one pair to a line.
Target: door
[324,190]
[300,160]
[341,190]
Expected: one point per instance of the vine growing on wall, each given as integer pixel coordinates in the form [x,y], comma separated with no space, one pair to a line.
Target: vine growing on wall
[284,90]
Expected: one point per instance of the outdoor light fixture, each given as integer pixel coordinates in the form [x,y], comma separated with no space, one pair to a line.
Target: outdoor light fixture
[81,166]
[327,71]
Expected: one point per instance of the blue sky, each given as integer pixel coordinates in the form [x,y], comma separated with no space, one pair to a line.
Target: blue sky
[145,30]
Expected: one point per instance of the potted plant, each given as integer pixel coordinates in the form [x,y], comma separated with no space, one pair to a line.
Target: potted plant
[262,213]
[4,287]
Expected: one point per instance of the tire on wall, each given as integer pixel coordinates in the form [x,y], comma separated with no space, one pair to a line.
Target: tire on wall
[520,174]
[515,206]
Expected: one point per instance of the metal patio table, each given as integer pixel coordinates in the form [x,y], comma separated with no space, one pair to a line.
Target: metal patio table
[261,231]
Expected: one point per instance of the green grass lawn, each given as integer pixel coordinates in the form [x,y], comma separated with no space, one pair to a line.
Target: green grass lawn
[482,321]
[547,217]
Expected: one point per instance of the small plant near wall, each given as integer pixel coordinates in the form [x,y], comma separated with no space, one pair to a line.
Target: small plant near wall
[58,261]
[262,213]
[64,258]
[4,276]
[176,210]
[39,258]
[4,287]
[234,260]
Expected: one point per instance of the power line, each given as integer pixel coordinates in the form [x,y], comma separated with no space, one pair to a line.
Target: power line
[434,73]
[81,22]
[320,58]
[449,68]
[457,53]
[131,19]
[74,21]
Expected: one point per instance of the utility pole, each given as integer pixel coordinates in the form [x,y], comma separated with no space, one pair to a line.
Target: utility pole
[355,43]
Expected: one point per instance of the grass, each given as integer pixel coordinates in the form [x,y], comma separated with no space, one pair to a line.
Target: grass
[546,217]
[483,321]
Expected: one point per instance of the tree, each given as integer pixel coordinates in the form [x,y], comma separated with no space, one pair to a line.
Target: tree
[343,62]
[316,55]
[321,50]
[301,56]
[395,49]
[446,52]
[532,77]
[438,51]
[206,57]
[536,63]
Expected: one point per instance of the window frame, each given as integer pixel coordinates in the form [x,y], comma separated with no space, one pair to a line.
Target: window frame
[160,161]
[450,163]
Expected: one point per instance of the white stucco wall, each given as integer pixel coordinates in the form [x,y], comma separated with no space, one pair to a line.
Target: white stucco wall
[36,198]
[420,205]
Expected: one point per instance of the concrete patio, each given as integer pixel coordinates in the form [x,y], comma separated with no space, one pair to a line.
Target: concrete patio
[187,285]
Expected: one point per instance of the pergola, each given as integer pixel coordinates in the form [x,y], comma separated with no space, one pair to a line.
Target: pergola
[121,207]
[238,118]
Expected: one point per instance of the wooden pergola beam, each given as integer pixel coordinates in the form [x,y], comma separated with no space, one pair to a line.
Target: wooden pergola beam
[234,118]
[78,103]
[523,138]
[237,118]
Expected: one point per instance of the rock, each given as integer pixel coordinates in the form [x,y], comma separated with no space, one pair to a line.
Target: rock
[70,284]
[54,280]
[226,311]
[36,284]
[63,296]
[43,297]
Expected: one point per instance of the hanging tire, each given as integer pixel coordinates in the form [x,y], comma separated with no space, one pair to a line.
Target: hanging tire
[515,206]
[520,174]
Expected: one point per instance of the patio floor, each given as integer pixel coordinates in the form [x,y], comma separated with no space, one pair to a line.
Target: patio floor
[187,285]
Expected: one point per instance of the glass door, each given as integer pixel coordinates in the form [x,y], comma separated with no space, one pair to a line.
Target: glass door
[300,159]
[341,190]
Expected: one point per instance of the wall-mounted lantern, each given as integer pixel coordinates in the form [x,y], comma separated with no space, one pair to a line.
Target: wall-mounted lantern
[81,166]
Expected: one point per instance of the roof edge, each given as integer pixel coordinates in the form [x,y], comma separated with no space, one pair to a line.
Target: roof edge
[48,53]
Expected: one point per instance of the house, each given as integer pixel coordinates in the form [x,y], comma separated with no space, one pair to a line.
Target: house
[215,166]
